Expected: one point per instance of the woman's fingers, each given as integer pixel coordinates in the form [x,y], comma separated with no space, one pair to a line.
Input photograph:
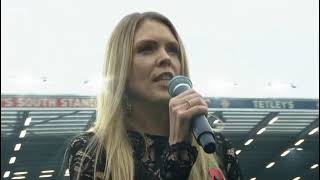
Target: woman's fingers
[196,101]
[192,111]
[191,98]
[189,103]
[182,108]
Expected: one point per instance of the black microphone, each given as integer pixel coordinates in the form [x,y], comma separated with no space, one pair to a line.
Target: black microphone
[200,126]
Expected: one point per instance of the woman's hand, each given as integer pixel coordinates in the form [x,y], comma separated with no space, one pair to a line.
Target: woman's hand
[181,109]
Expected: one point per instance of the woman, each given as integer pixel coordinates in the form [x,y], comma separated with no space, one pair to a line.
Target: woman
[140,132]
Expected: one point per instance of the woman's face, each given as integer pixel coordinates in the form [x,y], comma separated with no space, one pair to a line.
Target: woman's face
[155,62]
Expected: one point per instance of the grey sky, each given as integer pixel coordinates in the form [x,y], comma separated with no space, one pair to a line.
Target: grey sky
[247,42]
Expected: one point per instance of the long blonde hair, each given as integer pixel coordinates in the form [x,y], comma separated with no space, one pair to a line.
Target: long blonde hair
[110,132]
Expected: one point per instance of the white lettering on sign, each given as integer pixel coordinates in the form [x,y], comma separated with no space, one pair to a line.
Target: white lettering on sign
[265,104]
[47,102]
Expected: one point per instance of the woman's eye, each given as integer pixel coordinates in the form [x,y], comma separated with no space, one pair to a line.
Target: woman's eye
[173,50]
[145,49]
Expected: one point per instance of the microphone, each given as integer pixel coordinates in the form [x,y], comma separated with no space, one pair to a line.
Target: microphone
[200,126]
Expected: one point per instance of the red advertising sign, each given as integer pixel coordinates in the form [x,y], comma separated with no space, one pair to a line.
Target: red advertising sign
[48,102]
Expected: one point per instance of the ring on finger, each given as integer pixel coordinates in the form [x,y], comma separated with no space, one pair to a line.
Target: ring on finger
[189,104]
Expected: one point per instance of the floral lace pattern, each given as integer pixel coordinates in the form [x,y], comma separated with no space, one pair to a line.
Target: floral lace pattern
[154,158]
[178,160]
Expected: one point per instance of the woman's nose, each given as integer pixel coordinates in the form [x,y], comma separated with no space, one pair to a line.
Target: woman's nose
[164,58]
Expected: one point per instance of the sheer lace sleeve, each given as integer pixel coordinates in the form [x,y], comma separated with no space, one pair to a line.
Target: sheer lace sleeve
[178,160]
[229,158]
[76,153]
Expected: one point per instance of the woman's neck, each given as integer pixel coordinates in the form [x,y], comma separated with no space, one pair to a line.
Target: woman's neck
[150,118]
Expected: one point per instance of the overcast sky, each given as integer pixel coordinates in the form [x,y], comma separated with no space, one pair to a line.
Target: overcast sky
[236,48]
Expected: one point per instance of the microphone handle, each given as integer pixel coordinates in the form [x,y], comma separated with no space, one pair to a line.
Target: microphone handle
[200,126]
[203,133]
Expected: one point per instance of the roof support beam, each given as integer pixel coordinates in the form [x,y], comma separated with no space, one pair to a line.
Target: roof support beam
[263,123]
[91,121]
[56,118]
[291,143]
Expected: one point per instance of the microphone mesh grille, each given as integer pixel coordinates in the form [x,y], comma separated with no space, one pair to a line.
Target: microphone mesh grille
[178,80]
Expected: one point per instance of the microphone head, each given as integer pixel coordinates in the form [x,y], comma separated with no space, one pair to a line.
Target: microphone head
[175,82]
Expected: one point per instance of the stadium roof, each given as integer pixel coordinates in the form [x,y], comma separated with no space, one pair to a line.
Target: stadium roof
[43,126]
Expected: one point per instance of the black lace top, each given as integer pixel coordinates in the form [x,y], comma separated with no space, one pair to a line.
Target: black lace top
[154,158]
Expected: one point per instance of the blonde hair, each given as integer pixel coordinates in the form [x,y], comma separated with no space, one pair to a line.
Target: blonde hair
[110,132]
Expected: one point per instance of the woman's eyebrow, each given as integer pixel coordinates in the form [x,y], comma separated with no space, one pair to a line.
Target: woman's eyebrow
[173,43]
[145,41]
[151,41]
